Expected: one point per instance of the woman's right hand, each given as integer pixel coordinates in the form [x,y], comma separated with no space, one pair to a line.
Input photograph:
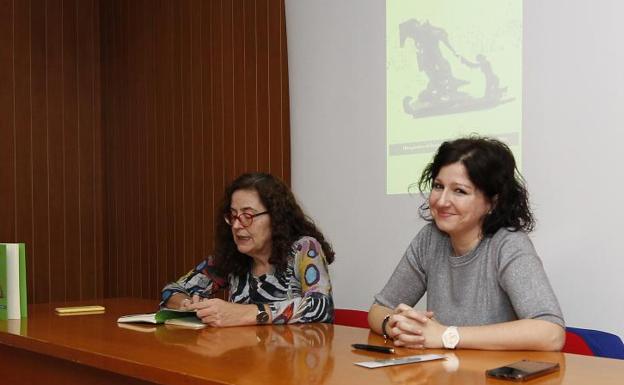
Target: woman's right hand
[405,326]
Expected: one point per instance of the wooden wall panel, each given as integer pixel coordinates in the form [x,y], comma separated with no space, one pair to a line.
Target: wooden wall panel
[121,122]
[7,121]
[40,253]
[50,166]
[195,92]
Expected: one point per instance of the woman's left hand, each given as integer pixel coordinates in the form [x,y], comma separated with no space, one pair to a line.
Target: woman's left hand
[431,330]
[219,313]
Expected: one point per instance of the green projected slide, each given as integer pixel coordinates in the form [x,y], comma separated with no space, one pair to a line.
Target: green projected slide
[454,67]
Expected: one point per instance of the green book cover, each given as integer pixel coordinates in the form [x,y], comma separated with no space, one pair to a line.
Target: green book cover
[22,281]
[3,283]
[15,282]
[165,314]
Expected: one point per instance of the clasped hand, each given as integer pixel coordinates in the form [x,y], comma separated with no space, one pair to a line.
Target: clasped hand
[414,329]
[219,313]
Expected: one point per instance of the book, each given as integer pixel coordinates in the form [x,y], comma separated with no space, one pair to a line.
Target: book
[187,322]
[80,310]
[190,322]
[13,295]
[159,317]
[16,326]
[3,283]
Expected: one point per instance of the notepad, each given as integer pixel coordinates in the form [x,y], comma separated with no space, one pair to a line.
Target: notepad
[80,310]
[159,317]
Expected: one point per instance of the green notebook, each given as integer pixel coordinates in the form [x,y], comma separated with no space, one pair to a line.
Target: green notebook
[14,298]
[3,283]
[156,318]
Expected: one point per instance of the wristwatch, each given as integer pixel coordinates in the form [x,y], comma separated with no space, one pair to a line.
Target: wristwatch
[383,327]
[450,337]
[262,317]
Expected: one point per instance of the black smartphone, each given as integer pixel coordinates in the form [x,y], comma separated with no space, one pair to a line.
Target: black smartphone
[522,370]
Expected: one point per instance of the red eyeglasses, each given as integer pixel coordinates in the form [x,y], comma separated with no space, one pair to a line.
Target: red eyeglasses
[245,219]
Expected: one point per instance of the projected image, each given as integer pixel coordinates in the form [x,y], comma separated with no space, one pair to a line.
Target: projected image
[442,95]
[453,68]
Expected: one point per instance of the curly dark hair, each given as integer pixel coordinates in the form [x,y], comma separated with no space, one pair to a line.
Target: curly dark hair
[492,169]
[288,224]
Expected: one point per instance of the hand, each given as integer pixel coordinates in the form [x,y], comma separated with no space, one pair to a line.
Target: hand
[186,303]
[406,327]
[219,313]
[428,327]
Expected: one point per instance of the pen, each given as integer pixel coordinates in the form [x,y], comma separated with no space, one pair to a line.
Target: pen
[374,348]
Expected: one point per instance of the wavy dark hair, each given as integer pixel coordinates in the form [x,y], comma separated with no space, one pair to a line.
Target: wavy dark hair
[288,224]
[492,169]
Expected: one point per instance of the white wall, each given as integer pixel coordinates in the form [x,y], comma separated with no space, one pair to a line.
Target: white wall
[572,132]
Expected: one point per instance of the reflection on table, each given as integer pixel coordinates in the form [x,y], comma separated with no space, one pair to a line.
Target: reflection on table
[95,349]
[300,353]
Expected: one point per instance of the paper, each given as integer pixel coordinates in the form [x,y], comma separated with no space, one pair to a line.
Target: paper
[188,322]
[146,318]
[399,361]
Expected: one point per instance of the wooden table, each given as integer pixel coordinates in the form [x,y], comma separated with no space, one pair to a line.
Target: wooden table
[94,349]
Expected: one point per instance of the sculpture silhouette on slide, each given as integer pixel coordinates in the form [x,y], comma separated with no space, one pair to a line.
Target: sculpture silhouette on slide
[442,94]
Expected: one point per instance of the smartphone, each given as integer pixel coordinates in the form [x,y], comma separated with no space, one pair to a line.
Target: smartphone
[522,370]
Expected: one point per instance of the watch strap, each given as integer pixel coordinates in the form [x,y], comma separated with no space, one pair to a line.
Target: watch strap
[384,323]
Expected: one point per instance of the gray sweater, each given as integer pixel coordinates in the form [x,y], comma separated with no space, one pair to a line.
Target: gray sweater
[501,280]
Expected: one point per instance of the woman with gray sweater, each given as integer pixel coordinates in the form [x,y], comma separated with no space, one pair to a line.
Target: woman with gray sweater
[486,286]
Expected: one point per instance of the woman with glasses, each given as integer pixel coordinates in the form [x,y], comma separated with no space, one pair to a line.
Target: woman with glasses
[268,255]
[486,286]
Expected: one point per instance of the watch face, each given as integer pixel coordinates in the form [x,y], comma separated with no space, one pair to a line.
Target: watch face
[450,338]
[262,317]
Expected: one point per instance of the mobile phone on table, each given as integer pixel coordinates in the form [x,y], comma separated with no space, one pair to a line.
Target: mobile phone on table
[522,370]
